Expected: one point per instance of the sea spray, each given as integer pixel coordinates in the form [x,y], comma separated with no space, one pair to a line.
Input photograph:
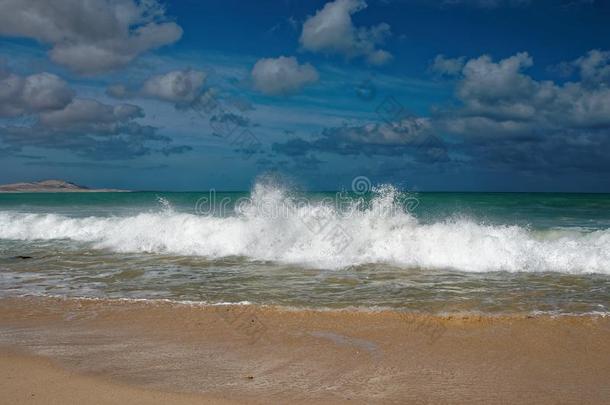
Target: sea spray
[274,224]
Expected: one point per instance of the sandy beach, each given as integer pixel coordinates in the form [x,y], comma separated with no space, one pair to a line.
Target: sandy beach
[60,351]
[305,202]
[35,380]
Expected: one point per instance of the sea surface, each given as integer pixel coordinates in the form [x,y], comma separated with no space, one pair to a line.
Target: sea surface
[374,249]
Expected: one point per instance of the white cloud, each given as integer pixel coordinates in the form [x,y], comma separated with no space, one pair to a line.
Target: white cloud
[32,94]
[118,91]
[282,75]
[447,66]
[178,86]
[594,67]
[379,57]
[183,88]
[406,131]
[332,31]
[55,118]
[90,36]
[499,98]
[90,116]
[406,136]
[502,118]
[486,81]
[91,129]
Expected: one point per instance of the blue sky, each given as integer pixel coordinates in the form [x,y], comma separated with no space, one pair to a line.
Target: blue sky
[472,95]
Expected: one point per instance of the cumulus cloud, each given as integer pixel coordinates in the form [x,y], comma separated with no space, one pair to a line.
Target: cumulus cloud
[119,91]
[90,36]
[486,81]
[93,130]
[407,136]
[186,90]
[502,119]
[228,119]
[331,30]
[501,93]
[447,66]
[91,116]
[56,119]
[508,117]
[594,68]
[179,87]
[32,94]
[283,75]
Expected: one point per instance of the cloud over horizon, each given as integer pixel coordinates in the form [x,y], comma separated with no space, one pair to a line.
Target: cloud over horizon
[56,118]
[405,136]
[496,91]
[508,117]
[502,118]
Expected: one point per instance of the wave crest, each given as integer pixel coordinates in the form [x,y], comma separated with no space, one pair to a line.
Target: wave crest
[275,225]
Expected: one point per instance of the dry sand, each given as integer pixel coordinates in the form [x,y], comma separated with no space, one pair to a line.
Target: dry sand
[136,352]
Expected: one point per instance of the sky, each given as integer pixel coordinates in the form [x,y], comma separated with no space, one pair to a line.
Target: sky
[453,95]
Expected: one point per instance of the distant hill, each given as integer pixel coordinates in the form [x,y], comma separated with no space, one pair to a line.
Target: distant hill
[49,186]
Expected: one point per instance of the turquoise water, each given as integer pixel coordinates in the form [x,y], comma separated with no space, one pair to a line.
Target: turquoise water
[540,210]
[536,209]
[438,252]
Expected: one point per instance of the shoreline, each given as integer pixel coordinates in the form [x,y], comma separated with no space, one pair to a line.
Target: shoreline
[252,354]
[400,311]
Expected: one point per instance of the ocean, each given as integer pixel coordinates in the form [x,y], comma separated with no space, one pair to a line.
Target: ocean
[490,253]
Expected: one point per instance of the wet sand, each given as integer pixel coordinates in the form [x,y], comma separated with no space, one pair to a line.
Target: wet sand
[34,380]
[122,351]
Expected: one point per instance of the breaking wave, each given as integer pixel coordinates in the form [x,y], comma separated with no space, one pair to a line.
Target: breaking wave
[321,235]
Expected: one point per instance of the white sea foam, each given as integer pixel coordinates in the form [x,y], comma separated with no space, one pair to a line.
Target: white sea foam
[319,235]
